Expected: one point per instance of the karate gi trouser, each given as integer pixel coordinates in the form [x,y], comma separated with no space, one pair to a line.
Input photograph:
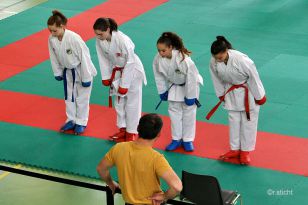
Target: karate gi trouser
[128,108]
[77,111]
[183,121]
[243,133]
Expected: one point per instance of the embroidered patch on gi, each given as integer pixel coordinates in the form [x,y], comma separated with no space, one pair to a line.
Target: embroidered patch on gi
[69,51]
[177,71]
[118,54]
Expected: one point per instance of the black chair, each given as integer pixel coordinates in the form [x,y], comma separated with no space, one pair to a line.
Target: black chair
[205,190]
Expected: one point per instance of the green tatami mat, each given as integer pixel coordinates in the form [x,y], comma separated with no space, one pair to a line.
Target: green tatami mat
[35,19]
[52,150]
[80,155]
[18,189]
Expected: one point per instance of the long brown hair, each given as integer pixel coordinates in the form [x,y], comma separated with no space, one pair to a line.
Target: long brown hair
[172,39]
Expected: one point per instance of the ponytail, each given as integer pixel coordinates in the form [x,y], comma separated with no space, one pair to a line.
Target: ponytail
[103,24]
[57,18]
[172,39]
[113,25]
[220,45]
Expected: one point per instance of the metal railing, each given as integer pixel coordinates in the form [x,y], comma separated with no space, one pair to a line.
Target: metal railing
[109,195]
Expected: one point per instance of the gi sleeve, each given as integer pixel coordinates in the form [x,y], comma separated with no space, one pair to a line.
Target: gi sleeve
[104,62]
[254,83]
[160,79]
[55,64]
[192,74]
[129,70]
[217,83]
[87,68]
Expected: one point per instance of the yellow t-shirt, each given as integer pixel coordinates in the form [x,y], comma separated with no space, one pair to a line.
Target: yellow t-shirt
[139,168]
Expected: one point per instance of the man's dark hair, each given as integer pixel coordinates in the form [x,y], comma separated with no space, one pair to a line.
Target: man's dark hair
[149,126]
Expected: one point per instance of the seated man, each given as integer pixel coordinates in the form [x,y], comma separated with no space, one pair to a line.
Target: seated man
[139,167]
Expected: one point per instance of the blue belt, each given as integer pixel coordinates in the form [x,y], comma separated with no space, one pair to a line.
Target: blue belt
[65,82]
[198,103]
[157,106]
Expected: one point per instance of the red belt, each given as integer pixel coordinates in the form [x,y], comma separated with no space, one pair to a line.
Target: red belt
[114,70]
[222,98]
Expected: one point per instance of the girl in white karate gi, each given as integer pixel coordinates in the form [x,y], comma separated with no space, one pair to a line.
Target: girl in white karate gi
[237,84]
[177,80]
[71,62]
[123,72]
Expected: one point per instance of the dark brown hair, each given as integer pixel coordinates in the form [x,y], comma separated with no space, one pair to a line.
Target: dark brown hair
[220,45]
[57,18]
[103,24]
[172,39]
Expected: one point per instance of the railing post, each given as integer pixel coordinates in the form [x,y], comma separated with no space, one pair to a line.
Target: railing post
[109,198]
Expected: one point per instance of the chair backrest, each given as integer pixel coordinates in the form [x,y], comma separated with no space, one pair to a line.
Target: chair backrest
[201,189]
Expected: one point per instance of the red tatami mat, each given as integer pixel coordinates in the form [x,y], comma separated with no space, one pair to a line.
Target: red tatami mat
[33,49]
[276,152]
